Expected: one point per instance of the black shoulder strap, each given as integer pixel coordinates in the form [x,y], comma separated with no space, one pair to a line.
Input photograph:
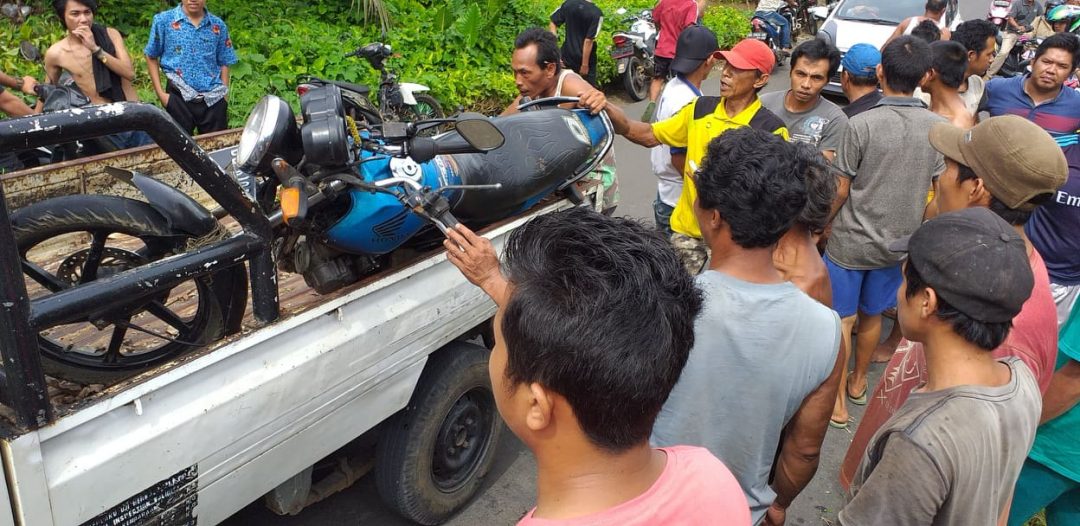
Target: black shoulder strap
[705,106]
[765,120]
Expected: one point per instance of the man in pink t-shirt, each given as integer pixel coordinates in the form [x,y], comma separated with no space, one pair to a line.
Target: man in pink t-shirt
[583,362]
[672,16]
[1009,165]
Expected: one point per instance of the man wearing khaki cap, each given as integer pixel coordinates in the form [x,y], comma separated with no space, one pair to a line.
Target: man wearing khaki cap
[952,453]
[1009,165]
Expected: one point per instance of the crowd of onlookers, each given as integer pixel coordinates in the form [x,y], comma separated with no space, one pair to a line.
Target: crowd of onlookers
[688,374]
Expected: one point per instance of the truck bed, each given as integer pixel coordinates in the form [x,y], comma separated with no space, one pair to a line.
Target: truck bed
[295,298]
[204,435]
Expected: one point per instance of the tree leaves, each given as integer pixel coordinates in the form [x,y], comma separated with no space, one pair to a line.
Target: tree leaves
[469,25]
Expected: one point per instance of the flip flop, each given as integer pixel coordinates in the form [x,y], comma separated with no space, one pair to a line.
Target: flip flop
[857,400]
[837,425]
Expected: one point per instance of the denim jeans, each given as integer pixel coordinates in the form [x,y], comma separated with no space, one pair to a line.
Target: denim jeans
[131,139]
[778,19]
[662,216]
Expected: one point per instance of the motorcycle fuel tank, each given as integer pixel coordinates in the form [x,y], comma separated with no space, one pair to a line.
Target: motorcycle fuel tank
[377,223]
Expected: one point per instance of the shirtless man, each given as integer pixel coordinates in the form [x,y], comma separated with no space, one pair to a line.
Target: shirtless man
[949,61]
[77,53]
[935,12]
[97,60]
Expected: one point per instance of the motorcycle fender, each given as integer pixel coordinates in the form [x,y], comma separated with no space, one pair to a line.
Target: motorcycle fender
[183,213]
[407,90]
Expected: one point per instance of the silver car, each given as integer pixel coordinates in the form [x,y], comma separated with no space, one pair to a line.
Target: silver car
[851,22]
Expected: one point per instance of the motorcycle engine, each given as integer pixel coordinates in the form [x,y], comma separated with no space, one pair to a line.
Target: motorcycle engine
[325,269]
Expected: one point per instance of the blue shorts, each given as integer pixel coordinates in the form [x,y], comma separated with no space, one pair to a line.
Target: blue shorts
[867,291]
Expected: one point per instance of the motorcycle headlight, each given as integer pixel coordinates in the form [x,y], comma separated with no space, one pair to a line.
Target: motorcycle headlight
[270,130]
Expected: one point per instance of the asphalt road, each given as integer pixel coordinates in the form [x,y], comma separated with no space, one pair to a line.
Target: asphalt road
[509,490]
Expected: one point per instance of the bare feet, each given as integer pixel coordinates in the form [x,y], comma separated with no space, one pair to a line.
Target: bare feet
[884,350]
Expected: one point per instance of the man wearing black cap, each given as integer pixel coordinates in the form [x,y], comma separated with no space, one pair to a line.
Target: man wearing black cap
[694,59]
[1009,165]
[952,453]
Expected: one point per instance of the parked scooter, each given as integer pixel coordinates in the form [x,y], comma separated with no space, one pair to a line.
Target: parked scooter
[802,17]
[341,198]
[999,13]
[634,53]
[769,33]
[1020,57]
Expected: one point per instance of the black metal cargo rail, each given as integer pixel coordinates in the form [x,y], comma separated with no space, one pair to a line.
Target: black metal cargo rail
[22,382]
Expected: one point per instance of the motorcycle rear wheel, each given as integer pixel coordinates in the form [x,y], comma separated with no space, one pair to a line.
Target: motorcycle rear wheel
[52,238]
[636,79]
[426,107]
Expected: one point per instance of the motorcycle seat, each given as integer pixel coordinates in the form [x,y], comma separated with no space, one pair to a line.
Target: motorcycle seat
[540,153]
[357,88]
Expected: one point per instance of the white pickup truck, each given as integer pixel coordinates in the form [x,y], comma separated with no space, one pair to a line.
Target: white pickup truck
[195,440]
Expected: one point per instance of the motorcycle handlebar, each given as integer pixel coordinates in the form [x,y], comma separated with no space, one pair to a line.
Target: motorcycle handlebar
[547,101]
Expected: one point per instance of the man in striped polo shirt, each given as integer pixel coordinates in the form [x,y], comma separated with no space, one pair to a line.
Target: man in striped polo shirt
[1040,96]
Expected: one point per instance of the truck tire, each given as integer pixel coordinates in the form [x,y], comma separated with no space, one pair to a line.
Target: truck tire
[104,216]
[432,456]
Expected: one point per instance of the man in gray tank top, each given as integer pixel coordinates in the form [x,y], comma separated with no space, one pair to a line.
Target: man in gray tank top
[765,357]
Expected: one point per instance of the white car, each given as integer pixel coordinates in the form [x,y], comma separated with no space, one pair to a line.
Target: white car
[851,22]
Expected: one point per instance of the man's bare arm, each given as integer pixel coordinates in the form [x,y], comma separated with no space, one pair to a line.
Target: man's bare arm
[678,161]
[475,257]
[52,67]
[553,28]
[1063,393]
[801,447]
[899,31]
[120,63]
[13,106]
[843,189]
[225,77]
[153,65]
[586,52]
[9,81]
[635,131]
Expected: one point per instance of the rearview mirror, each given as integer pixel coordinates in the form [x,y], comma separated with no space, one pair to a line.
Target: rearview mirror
[479,132]
[29,51]
[820,12]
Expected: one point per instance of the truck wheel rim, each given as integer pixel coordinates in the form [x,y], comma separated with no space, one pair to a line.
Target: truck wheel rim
[463,440]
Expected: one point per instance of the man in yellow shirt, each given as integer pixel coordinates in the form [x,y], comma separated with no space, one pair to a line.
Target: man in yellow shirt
[746,71]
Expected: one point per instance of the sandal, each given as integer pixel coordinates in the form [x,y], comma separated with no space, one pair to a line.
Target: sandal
[857,400]
[836,424]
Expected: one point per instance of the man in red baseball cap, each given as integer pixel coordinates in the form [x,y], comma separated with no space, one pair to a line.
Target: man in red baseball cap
[746,70]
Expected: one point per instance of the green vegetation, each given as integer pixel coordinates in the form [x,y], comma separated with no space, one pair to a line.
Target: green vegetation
[459,48]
